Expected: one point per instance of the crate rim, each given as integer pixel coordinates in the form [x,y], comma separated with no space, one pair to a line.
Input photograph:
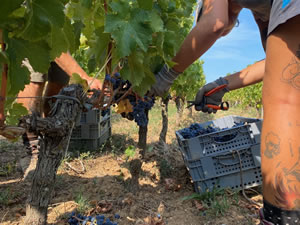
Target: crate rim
[216,132]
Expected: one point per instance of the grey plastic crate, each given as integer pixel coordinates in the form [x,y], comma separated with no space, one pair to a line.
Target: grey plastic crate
[86,131]
[91,131]
[106,116]
[252,178]
[243,136]
[224,170]
[105,136]
[105,124]
[90,117]
[82,145]
[93,116]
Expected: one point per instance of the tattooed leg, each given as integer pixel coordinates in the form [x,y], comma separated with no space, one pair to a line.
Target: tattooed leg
[280,143]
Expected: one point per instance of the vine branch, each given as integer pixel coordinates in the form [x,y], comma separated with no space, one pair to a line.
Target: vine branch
[3,84]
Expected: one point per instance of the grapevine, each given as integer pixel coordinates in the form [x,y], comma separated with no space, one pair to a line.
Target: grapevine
[129,104]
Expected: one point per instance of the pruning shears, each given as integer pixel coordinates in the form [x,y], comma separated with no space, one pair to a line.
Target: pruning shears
[222,106]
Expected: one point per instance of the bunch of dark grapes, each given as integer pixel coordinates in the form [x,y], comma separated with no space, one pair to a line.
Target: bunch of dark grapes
[140,106]
[140,109]
[115,80]
[85,220]
[196,129]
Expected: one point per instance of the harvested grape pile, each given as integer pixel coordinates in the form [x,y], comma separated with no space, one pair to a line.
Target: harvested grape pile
[197,129]
[78,219]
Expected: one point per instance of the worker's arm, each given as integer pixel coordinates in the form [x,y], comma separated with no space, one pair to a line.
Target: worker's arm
[67,63]
[250,75]
[216,20]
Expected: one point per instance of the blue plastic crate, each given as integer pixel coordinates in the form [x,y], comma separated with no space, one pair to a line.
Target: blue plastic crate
[242,136]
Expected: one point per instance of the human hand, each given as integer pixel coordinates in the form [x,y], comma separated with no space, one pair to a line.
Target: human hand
[95,84]
[164,79]
[213,99]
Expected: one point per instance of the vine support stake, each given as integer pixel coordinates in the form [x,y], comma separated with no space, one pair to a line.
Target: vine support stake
[3,85]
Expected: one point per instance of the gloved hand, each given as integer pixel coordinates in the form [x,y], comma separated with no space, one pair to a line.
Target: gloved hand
[214,99]
[164,79]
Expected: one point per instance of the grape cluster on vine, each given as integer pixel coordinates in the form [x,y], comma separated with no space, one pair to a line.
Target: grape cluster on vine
[139,106]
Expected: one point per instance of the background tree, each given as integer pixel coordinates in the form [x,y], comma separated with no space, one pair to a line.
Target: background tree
[186,86]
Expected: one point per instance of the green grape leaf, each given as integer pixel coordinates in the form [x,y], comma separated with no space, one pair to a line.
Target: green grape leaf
[7,7]
[77,26]
[146,4]
[38,56]
[99,46]
[19,13]
[70,35]
[163,4]
[138,72]
[76,79]
[36,52]
[146,83]
[159,43]
[18,76]
[129,32]
[121,8]
[58,42]
[134,69]
[170,45]
[42,15]
[14,112]
[130,151]
[87,3]
[156,22]
[92,64]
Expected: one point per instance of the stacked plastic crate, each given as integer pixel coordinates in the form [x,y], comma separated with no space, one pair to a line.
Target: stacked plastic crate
[228,158]
[92,131]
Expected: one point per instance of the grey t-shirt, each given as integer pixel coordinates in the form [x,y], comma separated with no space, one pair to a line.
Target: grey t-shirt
[283,10]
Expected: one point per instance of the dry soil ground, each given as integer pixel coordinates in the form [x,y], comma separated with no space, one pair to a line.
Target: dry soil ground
[163,183]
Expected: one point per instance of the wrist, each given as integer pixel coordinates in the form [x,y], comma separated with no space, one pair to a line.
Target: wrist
[168,74]
[223,81]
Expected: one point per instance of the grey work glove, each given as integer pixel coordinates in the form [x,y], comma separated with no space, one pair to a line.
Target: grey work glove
[164,79]
[214,99]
